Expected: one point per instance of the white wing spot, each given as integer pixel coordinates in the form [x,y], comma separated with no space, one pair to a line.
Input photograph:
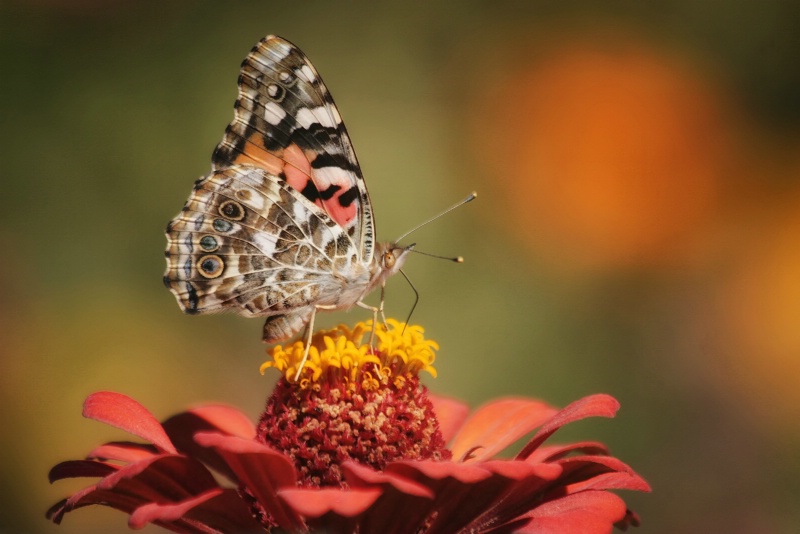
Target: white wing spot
[306,117]
[307,74]
[265,242]
[273,113]
[324,177]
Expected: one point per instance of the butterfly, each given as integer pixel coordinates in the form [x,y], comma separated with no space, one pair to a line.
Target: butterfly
[282,226]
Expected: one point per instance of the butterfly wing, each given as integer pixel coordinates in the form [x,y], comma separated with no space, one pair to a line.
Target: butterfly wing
[287,123]
[245,242]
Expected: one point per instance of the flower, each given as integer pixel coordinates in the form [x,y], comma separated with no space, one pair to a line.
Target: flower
[355,444]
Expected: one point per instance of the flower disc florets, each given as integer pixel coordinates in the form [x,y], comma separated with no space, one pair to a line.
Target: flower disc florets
[353,401]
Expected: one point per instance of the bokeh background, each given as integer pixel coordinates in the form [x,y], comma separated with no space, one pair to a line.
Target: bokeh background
[637,231]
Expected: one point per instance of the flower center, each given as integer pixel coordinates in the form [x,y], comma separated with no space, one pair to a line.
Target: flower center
[353,402]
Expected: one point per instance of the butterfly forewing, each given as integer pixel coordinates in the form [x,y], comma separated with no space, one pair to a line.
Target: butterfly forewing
[287,123]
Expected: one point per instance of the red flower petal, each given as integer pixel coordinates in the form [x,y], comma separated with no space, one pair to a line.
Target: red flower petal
[496,425]
[450,413]
[123,452]
[592,406]
[222,510]
[431,470]
[593,472]
[226,419]
[555,452]
[612,481]
[472,496]
[85,497]
[360,476]
[80,468]
[261,470]
[317,502]
[123,412]
[166,478]
[402,507]
[516,490]
[331,509]
[181,429]
[590,512]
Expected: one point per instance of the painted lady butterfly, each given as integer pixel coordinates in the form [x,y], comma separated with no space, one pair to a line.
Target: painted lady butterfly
[282,226]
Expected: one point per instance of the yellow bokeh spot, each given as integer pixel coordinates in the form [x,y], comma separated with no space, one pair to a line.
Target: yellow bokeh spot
[345,355]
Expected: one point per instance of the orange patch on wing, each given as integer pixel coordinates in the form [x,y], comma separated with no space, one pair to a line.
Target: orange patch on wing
[297,169]
[256,154]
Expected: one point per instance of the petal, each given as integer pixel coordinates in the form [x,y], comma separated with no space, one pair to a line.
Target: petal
[458,495]
[125,413]
[403,506]
[590,512]
[515,470]
[515,488]
[123,452]
[599,405]
[181,429]
[85,497]
[80,468]
[498,424]
[166,478]
[317,502]
[556,452]
[261,470]
[218,510]
[437,471]
[361,476]
[226,419]
[470,497]
[591,472]
[612,481]
[331,509]
[450,413]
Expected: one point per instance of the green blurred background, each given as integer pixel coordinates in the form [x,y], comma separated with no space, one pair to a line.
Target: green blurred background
[637,231]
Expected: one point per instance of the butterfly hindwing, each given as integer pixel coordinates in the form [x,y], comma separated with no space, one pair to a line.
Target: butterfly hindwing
[287,123]
[246,242]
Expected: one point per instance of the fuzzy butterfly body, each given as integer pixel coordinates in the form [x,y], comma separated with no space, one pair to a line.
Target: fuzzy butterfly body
[282,226]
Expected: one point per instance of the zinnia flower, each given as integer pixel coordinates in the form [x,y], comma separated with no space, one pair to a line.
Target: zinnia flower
[356,444]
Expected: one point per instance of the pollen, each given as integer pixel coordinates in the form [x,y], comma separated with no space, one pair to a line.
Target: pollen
[357,357]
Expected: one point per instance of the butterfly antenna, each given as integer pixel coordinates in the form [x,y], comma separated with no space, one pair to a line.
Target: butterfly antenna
[472,196]
[457,259]
[416,300]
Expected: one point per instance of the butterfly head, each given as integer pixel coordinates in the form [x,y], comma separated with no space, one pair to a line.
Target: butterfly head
[390,259]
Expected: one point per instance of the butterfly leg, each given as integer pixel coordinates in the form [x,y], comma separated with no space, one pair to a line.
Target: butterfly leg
[308,335]
[383,315]
[375,312]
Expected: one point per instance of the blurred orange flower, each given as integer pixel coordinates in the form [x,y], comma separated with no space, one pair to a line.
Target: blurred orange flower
[610,152]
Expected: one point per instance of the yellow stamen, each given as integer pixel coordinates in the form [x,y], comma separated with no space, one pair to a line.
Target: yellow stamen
[343,355]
